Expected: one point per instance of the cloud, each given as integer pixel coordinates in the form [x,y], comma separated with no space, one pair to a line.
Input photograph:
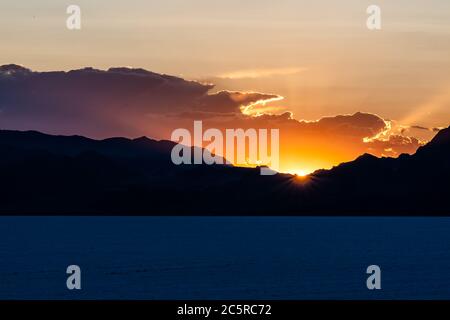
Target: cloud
[359,124]
[101,103]
[226,101]
[135,102]
[259,73]
[394,146]
[421,128]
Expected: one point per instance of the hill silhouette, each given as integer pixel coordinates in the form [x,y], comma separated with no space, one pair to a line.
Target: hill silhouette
[74,175]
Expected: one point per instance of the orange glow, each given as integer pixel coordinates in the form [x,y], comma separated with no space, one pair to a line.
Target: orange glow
[303,148]
[300,172]
[302,180]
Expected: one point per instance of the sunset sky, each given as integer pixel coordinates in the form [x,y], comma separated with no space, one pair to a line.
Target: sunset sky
[318,56]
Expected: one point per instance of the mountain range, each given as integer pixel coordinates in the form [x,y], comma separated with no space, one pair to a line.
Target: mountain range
[44,174]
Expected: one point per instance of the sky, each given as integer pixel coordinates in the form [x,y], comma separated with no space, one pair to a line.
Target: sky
[319,56]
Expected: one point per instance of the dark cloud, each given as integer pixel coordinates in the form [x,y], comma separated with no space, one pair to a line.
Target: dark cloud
[359,124]
[103,103]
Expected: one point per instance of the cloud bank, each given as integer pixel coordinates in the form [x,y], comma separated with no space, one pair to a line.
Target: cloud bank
[136,102]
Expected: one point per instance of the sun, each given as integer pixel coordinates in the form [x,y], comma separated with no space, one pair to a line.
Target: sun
[300,172]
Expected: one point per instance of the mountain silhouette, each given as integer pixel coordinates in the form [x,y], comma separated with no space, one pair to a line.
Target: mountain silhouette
[74,175]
